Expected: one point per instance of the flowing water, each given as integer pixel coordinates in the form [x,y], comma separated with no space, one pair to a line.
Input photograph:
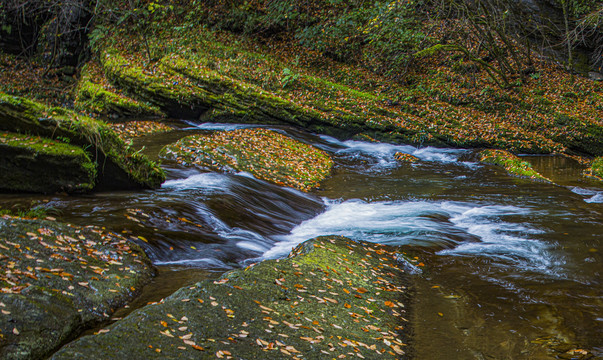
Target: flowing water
[512,267]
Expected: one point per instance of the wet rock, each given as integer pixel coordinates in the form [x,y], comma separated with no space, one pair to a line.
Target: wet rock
[405,158]
[118,167]
[513,164]
[331,298]
[57,279]
[27,161]
[264,153]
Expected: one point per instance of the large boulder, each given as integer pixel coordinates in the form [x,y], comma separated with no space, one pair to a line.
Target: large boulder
[118,166]
[331,298]
[94,94]
[26,163]
[57,279]
[264,153]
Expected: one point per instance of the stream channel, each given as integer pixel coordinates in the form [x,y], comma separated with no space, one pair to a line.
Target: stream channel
[512,267]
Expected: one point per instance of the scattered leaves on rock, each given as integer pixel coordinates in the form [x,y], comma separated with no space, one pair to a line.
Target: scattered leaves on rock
[264,153]
[513,164]
[331,298]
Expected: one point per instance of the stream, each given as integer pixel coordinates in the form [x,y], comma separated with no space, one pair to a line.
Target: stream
[512,268]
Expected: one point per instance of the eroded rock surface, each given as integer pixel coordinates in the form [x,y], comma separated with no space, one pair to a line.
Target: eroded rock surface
[56,279]
[331,298]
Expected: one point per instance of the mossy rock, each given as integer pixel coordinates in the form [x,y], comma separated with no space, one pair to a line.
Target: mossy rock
[332,297]
[596,169]
[185,88]
[174,95]
[405,158]
[57,279]
[35,164]
[589,141]
[264,153]
[118,167]
[513,164]
[92,95]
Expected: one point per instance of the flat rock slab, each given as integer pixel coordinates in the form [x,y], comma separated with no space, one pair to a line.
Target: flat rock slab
[331,298]
[264,153]
[57,279]
[35,164]
[118,166]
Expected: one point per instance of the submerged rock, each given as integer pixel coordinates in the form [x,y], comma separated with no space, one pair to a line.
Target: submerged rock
[512,164]
[27,161]
[264,153]
[331,298]
[118,167]
[56,279]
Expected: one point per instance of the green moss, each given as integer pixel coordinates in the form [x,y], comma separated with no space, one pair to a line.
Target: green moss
[512,164]
[596,169]
[330,296]
[96,98]
[35,164]
[264,153]
[125,168]
[39,144]
[172,94]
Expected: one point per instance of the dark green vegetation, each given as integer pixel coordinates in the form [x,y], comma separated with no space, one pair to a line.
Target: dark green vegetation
[266,154]
[116,165]
[513,164]
[57,279]
[330,297]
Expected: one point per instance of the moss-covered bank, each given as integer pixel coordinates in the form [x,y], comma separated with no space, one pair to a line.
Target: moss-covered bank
[513,164]
[56,279]
[34,158]
[596,169]
[118,167]
[225,77]
[95,95]
[264,153]
[331,298]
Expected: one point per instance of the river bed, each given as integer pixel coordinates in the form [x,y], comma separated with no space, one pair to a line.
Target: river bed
[512,268]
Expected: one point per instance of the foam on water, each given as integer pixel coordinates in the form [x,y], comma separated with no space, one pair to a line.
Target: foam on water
[598,198]
[218,126]
[382,154]
[206,181]
[457,229]
[509,242]
[591,195]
